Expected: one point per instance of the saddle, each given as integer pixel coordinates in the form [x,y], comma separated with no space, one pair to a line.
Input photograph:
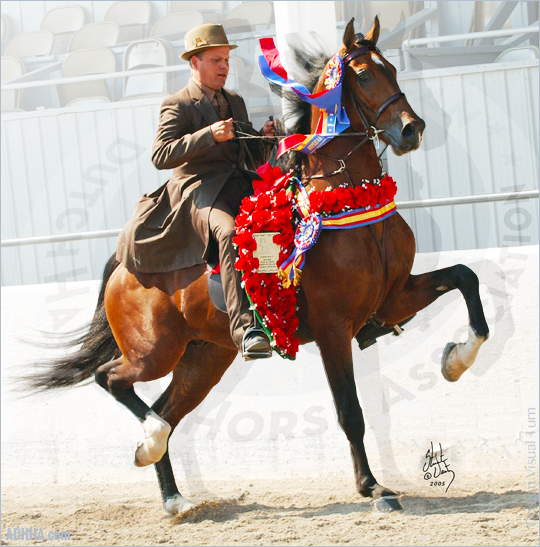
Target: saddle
[215,286]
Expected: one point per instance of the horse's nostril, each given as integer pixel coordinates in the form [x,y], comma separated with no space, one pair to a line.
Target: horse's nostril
[408,131]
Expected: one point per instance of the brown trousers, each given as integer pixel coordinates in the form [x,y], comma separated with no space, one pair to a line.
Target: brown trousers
[222,227]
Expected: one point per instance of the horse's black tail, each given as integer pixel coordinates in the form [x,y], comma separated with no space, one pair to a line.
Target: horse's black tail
[98,347]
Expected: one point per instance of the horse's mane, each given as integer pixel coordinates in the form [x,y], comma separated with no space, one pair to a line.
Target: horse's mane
[297,118]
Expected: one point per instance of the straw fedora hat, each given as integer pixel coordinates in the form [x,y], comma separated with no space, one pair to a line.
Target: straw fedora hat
[204,37]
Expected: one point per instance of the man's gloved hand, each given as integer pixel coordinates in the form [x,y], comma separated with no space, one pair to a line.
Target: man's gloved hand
[268,129]
[223,130]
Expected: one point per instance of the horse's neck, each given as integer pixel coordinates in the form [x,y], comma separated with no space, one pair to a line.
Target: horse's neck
[362,164]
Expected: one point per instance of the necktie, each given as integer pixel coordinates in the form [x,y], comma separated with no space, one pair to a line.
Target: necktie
[222,103]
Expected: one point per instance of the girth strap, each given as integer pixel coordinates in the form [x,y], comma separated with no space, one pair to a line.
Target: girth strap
[384,262]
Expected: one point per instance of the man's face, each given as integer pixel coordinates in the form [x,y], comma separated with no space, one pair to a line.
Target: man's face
[211,67]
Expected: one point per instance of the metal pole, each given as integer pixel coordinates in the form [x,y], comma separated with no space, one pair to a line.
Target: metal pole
[94,77]
[460,200]
[470,35]
[483,198]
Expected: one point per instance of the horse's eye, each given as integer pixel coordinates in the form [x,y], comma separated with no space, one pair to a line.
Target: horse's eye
[363,76]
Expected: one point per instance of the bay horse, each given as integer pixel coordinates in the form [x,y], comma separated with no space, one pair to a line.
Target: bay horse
[146,326]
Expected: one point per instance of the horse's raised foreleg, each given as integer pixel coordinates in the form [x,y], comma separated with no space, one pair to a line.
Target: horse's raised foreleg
[338,363]
[199,370]
[421,290]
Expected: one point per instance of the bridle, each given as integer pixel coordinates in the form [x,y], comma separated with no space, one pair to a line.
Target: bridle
[348,58]
[371,133]
[374,136]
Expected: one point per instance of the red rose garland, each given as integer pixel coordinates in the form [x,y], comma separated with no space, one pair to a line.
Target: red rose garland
[270,210]
[344,198]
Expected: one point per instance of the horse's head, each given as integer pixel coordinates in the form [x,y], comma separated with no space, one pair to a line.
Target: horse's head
[371,93]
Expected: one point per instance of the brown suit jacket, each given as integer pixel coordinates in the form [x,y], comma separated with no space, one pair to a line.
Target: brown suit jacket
[169,229]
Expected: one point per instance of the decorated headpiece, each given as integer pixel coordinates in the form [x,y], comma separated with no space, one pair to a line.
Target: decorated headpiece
[333,119]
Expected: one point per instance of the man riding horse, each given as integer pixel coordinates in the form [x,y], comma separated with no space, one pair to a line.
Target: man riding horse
[178,225]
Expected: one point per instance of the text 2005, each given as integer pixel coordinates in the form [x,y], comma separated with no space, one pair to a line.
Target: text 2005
[436,483]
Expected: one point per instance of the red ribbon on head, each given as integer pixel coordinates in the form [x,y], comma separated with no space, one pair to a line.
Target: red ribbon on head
[271,55]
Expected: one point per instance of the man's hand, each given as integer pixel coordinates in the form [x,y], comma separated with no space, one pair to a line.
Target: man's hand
[223,130]
[268,129]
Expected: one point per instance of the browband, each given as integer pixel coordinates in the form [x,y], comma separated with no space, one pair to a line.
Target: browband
[360,51]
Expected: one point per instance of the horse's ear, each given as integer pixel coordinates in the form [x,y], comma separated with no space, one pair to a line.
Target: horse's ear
[373,34]
[348,39]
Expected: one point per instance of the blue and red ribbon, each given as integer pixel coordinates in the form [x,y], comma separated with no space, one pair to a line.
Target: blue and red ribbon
[333,119]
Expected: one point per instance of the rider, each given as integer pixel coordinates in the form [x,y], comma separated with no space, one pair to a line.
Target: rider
[178,225]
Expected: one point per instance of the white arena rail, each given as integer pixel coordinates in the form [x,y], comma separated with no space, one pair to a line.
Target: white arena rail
[486,198]
[411,42]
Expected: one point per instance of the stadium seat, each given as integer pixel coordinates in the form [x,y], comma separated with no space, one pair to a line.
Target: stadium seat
[175,25]
[147,54]
[527,53]
[247,16]
[31,44]
[98,60]
[236,71]
[11,98]
[4,32]
[132,17]
[211,11]
[63,22]
[95,35]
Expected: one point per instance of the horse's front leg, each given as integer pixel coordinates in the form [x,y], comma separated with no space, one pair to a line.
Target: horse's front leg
[337,357]
[421,290]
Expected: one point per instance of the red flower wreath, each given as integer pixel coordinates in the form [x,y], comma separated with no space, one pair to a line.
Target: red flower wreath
[269,210]
[345,198]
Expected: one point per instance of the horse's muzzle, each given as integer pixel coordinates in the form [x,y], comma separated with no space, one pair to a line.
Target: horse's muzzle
[410,136]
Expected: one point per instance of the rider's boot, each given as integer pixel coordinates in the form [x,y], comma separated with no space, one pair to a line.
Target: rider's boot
[255,343]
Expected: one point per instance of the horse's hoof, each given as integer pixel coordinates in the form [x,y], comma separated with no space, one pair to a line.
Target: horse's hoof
[155,445]
[386,504]
[457,358]
[177,504]
[447,364]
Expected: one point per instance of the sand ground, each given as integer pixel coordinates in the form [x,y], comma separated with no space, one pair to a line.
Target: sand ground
[325,511]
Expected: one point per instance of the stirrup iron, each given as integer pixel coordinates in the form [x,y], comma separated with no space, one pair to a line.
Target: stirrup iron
[252,355]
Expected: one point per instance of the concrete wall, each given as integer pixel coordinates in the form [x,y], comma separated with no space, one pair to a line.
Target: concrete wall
[276,418]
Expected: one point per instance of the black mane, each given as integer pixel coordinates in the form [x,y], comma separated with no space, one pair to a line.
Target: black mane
[297,117]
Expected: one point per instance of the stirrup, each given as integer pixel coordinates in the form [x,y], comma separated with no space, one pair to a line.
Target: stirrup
[252,355]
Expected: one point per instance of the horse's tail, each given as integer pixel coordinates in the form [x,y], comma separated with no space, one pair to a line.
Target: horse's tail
[98,347]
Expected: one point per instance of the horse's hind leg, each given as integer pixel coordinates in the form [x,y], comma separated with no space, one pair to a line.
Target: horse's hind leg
[421,290]
[118,377]
[199,370]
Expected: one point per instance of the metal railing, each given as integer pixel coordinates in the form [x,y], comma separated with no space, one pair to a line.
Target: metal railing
[413,204]
[407,44]
[94,77]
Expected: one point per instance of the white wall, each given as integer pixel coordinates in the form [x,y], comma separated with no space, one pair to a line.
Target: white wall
[241,428]
[481,137]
